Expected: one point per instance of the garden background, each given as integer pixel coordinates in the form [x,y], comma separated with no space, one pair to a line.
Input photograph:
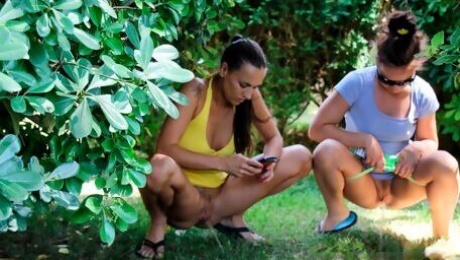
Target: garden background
[86,84]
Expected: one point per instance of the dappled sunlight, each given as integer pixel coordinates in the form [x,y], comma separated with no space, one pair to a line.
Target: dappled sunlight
[412,225]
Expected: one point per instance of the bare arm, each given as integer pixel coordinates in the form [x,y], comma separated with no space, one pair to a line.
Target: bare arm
[325,123]
[426,140]
[266,126]
[173,129]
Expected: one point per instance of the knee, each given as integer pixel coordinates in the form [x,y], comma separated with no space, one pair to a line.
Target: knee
[443,163]
[163,170]
[328,151]
[304,158]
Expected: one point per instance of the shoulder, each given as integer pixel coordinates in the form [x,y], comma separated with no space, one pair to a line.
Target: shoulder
[359,77]
[194,88]
[423,90]
[424,97]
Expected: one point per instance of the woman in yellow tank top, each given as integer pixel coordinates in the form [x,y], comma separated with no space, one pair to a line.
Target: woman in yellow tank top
[200,173]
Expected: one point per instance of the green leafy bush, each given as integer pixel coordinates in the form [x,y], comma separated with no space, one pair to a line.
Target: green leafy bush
[441,22]
[79,83]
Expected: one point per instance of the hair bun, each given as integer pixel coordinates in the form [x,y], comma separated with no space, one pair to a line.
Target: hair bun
[402,24]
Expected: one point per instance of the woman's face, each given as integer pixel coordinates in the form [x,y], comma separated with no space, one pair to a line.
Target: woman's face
[395,80]
[240,84]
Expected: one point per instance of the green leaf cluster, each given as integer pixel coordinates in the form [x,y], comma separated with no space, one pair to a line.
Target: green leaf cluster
[85,84]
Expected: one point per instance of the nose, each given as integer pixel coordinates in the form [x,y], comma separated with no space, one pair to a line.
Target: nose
[247,93]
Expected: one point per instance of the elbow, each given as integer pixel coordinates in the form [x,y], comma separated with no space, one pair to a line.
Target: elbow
[314,133]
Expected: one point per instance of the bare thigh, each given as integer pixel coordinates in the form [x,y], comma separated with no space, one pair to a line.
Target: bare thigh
[238,194]
[437,165]
[183,204]
[333,163]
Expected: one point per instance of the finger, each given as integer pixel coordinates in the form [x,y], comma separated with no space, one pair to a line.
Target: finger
[266,176]
[251,169]
[244,172]
[271,166]
[255,163]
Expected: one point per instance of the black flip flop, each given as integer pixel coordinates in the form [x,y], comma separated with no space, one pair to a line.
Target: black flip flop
[152,245]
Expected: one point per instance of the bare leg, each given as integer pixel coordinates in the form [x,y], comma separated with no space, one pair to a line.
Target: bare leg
[333,162]
[238,194]
[439,172]
[169,198]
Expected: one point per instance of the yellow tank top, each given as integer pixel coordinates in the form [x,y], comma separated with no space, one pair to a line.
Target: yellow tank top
[194,139]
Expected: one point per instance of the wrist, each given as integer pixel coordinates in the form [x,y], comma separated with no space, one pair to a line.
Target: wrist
[221,163]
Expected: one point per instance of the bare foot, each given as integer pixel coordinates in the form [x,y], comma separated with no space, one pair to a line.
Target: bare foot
[237,226]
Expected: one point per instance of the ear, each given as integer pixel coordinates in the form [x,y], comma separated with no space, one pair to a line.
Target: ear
[223,70]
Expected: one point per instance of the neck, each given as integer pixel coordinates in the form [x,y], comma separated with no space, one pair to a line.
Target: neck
[218,90]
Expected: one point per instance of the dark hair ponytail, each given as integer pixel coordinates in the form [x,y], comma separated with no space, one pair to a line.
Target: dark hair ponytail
[399,39]
[240,51]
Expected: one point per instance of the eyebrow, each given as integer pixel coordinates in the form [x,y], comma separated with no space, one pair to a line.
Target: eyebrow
[247,84]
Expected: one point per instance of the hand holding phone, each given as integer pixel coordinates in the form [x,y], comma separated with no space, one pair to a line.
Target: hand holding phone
[266,161]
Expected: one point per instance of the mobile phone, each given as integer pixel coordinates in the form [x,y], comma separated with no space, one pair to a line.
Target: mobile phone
[267,161]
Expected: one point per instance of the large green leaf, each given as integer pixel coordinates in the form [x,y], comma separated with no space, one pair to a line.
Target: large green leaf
[162,100]
[29,180]
[18,104]
[144,55]
[121,101]
[175,73]
[62,22]
[94,203]
[8,12]
[43,25]
[42,87]
[24,77]
[66,199]
[105,6]
[178,97]
[40,104]
[63,171]
[124,211]
[138,178]
[13,50]
[62,105]
[120,70]
[5,33]
[8,84]
[9,146]
[67,4]
[107,231]
[165,52]
[79,72]
[6,209]
[133,36]
[63,42]
[14,164]
[13,191]
[81,216]
[112,114]
[87,39]
[17,26]
[80,120]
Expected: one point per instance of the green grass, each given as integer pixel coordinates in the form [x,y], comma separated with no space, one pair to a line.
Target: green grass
[287,221]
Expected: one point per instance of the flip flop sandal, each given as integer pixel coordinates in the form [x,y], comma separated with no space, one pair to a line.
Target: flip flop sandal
[152,245]
[236,231]
[341,226]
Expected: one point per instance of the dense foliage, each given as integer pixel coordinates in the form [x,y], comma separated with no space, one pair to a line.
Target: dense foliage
[77,85]
[440,20]
[310,46]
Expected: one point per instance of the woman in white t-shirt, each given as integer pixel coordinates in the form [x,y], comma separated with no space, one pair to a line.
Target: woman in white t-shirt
[390,116]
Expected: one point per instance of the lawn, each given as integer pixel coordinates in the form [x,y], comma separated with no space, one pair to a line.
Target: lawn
[287,221]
